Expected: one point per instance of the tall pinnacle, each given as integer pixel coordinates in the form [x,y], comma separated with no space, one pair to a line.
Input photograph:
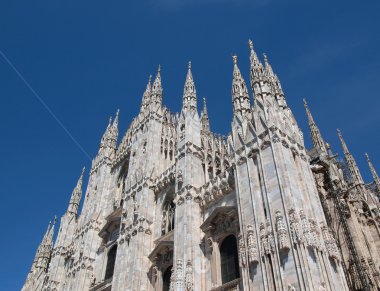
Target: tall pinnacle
[256,66]
[240,98]
[316,136]
[105,137]
[147,94]
[374,174]
[204,117]
[274,83]
[352,166]
[76,196]
[114,131]
[189,100]
[49,241]
[157,88]
[43,253]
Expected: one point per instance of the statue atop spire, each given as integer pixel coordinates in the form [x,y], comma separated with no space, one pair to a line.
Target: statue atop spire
[240,98]
[373,172]
[157,88]
[147,95]
[76,196]
[357,179]
[316,136]
[189,100]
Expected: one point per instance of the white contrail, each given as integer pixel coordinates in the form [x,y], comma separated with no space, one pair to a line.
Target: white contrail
[44,104]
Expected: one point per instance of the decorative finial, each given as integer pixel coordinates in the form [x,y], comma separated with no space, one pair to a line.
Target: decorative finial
[159,69]
[150,79]
[55,219]
[117,113]
[328,146]
[304,101]
[189,65]
[110,120]
[366,155]
[234,58]
[250,42]
[83,169]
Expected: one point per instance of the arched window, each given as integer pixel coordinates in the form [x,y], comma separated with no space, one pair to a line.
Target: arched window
[111,262]
[229,259]
[166,276]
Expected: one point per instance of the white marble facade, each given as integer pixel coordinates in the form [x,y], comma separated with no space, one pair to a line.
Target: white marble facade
[175,206]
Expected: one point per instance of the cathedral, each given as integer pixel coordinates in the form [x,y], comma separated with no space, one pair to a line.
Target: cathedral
[174,206]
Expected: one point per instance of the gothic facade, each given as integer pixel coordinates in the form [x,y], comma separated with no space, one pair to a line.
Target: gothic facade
[174,206]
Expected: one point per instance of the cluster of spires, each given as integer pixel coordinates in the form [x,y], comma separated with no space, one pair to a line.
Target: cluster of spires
[45,248]
[353,168]
[240,96]
[241,106]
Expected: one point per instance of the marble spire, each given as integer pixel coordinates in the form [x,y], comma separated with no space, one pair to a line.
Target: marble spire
[189,100]
[240,98]
[351,163]
[316,136]
[76,196]
[373,172]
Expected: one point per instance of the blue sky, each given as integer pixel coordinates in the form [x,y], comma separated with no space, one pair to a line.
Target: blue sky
[88,58]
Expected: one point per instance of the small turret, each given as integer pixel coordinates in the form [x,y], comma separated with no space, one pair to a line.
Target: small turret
[189,100]
[374,174]
[240,98]
[157,88]
[76,196]
[316,136]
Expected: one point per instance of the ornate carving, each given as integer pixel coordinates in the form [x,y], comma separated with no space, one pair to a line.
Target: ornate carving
[267,239]
[172,280]
[271,242]
[242,253]
[330,243]
[179,280]
[253,255]
[189,283]
[295,226]
[283,240]
[309,239]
